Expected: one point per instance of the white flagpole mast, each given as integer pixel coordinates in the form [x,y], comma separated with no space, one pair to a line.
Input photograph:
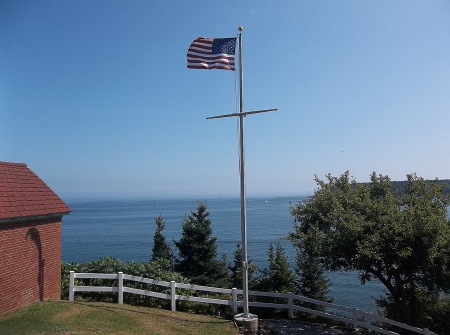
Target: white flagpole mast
[242,180]
[241,114]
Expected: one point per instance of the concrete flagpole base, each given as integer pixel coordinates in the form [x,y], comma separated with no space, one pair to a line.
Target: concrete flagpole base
[249,322]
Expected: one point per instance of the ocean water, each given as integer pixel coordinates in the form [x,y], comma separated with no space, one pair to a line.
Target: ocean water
[124,229]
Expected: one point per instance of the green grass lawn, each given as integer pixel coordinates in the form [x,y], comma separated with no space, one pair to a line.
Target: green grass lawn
[64,317]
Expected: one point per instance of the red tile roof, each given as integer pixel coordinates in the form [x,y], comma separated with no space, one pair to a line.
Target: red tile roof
[23,194]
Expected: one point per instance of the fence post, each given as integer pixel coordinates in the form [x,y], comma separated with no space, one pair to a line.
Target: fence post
[290,305]
[234,297]
[71,284]
[355,317]
[173,305]
[120,286]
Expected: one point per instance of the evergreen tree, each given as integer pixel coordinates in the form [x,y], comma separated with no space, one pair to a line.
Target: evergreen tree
[236,269]
[161,249]
[278,277]
[197,251]
[312,282]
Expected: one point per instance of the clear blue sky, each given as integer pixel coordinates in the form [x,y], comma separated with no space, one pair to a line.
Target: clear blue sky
[96,98]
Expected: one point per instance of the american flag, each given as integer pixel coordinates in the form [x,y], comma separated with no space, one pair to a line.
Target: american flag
[212,53]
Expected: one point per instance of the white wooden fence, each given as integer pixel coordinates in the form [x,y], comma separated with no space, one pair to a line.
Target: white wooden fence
[351,316]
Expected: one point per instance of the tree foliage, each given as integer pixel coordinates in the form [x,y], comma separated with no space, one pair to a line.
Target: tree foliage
[403,240]
[278,277]
[161,249]
[197,251]
[236,269]
[312,282]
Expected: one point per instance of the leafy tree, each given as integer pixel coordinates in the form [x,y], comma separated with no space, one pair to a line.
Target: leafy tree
[161,249]
[236,269]
[403,240]
[312,282]
[197,251]
[278,277]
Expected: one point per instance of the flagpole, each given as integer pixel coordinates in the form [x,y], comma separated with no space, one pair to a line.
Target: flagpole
[242,181]
[249,321]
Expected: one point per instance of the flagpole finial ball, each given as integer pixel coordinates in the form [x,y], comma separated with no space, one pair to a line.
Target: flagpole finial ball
[241,28]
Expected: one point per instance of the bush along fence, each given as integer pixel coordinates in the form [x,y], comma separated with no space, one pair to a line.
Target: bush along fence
[188,293]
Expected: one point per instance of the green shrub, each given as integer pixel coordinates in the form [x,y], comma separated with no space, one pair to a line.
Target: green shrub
[152,270]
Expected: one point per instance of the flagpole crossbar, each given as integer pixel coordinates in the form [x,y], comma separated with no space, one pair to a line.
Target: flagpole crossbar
[243,114]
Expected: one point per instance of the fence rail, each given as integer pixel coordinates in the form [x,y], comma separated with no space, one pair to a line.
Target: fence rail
[355,320]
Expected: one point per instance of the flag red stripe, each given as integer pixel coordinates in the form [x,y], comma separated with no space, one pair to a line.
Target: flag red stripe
[209,67]
[221,56]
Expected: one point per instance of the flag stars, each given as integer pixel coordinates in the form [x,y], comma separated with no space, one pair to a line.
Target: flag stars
[224,45]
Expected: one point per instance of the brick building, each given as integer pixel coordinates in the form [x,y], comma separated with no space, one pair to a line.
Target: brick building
[30,238]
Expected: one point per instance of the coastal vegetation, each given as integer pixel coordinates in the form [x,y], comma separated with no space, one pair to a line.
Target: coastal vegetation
[197,263]
[158,269]
[397,233]
[311,281]
[278,277]
[400,185]
[197,251]
[401,238]
[160,249]
[236,269]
